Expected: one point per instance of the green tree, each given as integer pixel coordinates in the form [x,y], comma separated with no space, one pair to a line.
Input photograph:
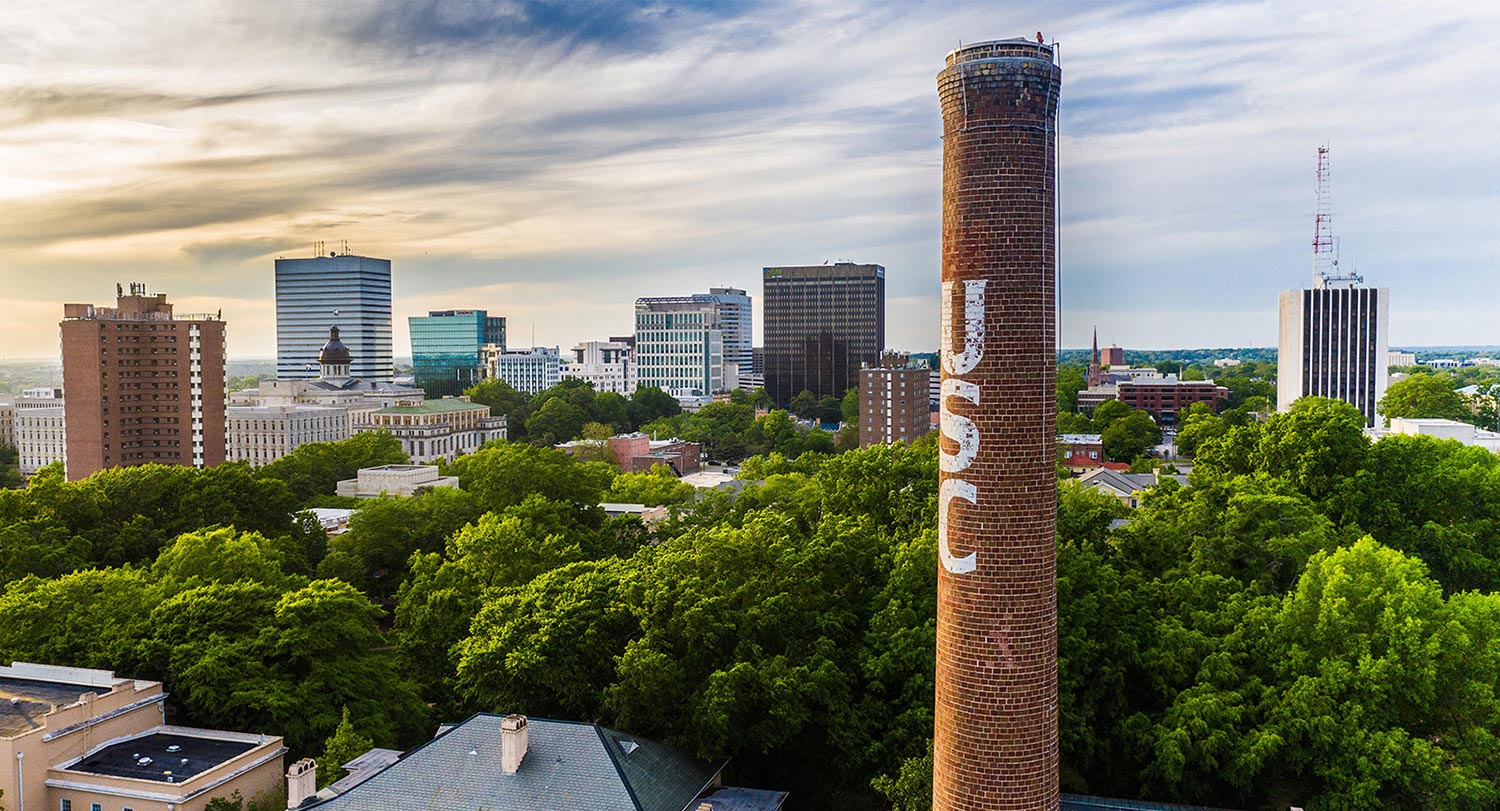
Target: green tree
[344,745]
[830,409]
[849,405]
[804,405]
[316,468]
[1130,436]
[1109,411]
[1425,396]
[657,487]
[557,420]
[650,403]
[503,475]
[505,401]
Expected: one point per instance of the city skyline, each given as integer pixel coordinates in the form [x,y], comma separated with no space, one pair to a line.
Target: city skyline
[556,164]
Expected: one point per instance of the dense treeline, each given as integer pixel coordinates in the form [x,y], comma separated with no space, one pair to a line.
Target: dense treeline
[728,431]
[1312,622]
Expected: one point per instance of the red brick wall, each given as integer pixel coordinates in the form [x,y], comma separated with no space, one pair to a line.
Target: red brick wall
[134,398]
[996,709]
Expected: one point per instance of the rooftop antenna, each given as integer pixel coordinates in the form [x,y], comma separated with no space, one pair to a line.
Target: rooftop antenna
[1326,272]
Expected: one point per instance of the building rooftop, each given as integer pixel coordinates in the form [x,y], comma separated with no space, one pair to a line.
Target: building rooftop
[166,757]
[1079,802]
[1080,439]
[30,700]
[568,766]
[745,799]
[34,690]
[447,405]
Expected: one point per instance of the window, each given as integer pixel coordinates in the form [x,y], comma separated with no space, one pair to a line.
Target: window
[95,807]
[65,805]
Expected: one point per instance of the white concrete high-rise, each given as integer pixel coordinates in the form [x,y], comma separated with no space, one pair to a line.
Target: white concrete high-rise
[350,292]
[1334,343]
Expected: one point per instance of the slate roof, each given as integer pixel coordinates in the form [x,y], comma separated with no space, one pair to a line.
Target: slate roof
[745,799]
[1079,802]
[569,766]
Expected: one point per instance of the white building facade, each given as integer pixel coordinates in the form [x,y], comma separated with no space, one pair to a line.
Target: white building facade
[608,365]
[679,346]
[1334,343]
[262,434]
[528,370]
[41,430]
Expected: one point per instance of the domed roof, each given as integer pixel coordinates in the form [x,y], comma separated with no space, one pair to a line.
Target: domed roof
[334,353]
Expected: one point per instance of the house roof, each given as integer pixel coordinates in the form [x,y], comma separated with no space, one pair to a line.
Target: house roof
[569,766]
[1080,802]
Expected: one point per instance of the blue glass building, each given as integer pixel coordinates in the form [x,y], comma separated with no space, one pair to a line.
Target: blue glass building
[350,292]
[447,348]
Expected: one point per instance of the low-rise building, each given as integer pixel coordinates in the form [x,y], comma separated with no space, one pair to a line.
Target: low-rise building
[86,739]
[393,480]
[648,515]
[262,434]
[515,762]
[1463,432]
[638,453]
[1164,397]
[527,370]
[893,401]
[333,520]
[435,429]
[1127,487]
[41,429]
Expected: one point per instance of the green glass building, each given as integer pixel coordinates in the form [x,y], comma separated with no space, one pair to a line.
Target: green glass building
[447,348]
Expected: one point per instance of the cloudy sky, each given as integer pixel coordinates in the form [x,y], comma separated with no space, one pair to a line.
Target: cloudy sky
[553,161]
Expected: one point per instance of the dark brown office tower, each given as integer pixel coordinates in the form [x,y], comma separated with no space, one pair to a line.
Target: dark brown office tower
[822,324]
[150,385]
[996,712]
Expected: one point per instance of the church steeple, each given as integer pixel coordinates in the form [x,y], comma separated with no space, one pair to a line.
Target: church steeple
[1096,375]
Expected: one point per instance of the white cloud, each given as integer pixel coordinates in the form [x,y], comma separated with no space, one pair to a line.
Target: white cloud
[556,169]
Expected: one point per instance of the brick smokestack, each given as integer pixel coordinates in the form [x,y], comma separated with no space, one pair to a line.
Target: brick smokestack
[996,713]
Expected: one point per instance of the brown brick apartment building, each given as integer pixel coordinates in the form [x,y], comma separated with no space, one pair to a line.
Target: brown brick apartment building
[893,402]
[144,385]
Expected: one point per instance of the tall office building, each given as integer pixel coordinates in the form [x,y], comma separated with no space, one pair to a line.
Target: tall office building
[144,385]
[995,715]
[1334,343]
[447,348]
[737,323]
[823,323]
[679,345]
[353,292]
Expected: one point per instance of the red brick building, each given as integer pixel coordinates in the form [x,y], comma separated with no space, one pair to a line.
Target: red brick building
[893,402]
[1163,398]
[144,385]
[995,715]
